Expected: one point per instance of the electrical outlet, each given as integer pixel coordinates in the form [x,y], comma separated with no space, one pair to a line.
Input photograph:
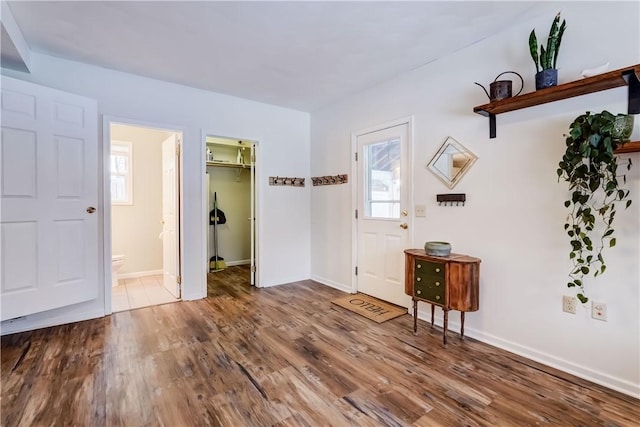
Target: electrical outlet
[599,311]
[421,210]
[569,304]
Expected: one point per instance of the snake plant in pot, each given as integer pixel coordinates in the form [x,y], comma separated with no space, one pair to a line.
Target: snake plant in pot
[590,166]
[546,72]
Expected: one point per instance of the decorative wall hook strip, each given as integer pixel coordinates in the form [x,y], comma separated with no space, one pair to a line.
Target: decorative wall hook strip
[450,199]
[285,180]
[330,179]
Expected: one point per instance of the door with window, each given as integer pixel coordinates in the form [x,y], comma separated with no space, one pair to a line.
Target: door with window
[383,222]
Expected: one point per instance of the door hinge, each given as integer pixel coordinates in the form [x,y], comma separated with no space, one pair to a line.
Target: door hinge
[179,280]
[253,268]
[356,157]
[356,270]
[356,213]
[178,150]
[253,159]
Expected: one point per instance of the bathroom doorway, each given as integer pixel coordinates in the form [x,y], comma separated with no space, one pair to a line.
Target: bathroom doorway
[230,200]
[144,173]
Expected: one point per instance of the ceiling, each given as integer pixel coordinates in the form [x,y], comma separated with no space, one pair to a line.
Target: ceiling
[301,55]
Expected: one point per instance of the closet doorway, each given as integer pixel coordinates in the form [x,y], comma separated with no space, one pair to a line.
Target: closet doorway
[231,209]
[144,178]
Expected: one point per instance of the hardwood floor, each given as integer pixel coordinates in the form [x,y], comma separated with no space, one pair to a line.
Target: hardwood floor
[281,356]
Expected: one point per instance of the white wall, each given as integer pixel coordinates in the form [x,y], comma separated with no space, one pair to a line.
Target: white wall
[514,215]
[135,228]
[283,142]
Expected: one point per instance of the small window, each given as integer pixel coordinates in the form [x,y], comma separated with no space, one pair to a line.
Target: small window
[121,173]
[382,180]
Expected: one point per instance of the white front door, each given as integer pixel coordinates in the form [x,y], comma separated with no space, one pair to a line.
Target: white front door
[383,221]
[48,197]
[170,217]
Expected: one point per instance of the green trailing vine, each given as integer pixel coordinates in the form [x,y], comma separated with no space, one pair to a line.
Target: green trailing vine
[590,166]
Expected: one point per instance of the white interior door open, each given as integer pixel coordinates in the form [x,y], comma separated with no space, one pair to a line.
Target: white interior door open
[48,197]
[170,215]
[383,222]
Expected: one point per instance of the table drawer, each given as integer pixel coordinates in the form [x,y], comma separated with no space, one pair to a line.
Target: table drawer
[430,290]
[429,269]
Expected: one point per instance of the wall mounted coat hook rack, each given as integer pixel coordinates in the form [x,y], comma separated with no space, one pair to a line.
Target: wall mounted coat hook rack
[285,180]
[450,199]
[330,179]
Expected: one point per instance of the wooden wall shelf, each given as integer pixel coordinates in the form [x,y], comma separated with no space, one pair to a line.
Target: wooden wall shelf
[629,76]
[629,147]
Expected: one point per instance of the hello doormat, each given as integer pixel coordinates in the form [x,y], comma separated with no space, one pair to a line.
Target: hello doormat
[369,307]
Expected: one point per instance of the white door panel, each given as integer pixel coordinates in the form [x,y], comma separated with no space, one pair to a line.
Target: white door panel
[48,180]
[170,218]
[394,246]
[382,203]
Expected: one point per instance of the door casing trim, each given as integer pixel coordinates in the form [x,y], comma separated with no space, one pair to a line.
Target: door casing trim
[105,229]
[204,133]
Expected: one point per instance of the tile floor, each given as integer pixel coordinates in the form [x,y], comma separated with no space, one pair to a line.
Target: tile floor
[139,292]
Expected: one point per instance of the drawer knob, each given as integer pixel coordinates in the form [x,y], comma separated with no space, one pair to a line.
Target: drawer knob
[437,270]
[418,279]
[437,296]
[418,292]
[437,283]
[419,265]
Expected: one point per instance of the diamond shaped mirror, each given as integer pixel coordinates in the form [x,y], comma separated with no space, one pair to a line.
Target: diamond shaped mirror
[451,162]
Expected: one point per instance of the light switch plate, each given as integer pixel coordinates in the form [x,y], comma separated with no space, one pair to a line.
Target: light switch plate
[421,211]
[599,311]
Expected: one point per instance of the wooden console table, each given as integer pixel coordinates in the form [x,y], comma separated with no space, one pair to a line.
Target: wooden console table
[450,282]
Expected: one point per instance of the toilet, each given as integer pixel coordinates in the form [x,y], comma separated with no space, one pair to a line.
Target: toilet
[117,261]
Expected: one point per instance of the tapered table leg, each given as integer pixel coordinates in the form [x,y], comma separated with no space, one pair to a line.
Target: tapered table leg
[433,310]
[445,325]
[415,316]
[462,325]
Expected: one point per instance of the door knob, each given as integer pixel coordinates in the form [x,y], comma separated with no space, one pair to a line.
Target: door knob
[91,209]
[404,226]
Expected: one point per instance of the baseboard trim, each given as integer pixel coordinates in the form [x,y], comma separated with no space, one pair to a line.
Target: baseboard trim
[137,274]
[28,324]
[332,284]
[282,281]
[586,373]
[240,262]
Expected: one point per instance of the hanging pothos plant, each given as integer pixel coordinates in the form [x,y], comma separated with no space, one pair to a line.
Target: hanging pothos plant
[590,166]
